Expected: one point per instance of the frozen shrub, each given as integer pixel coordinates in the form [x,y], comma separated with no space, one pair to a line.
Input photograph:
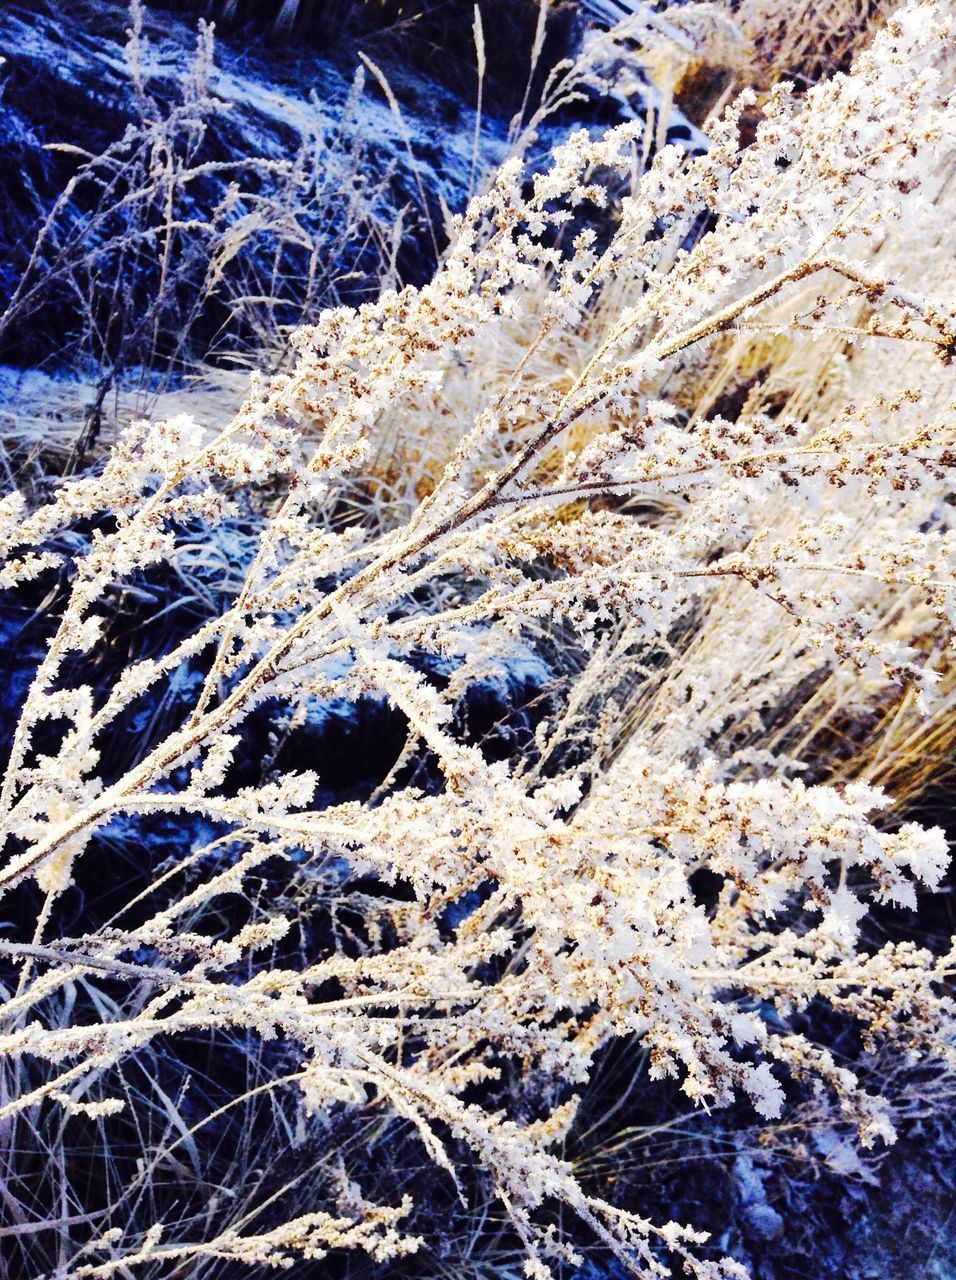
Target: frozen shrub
[548,905]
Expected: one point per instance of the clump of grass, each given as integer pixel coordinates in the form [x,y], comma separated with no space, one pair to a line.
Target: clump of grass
[168,253]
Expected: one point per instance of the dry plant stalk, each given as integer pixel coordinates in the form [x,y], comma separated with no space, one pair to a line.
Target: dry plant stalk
[811,542]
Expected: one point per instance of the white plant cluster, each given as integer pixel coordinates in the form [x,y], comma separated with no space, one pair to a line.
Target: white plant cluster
[818,542]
